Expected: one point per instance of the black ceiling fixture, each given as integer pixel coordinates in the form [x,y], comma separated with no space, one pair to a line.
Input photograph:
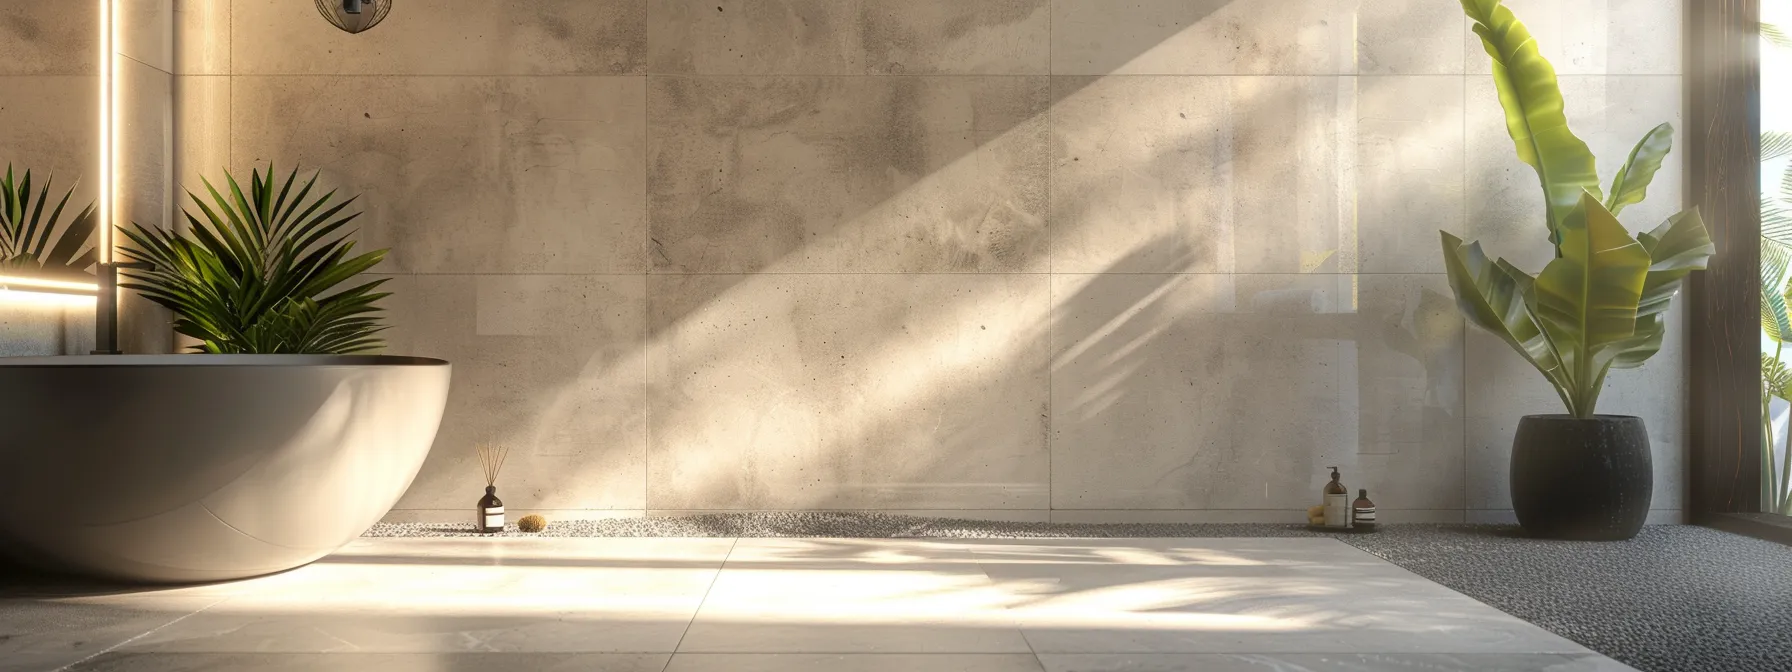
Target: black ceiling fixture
[354,16]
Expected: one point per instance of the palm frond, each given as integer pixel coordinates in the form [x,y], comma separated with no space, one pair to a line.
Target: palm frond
[41,245]
[259,273]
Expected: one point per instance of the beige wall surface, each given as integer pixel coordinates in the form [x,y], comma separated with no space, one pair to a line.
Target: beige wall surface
[1157,260]
[49,123]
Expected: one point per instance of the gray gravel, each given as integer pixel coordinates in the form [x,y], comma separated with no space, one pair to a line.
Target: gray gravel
[1675,599]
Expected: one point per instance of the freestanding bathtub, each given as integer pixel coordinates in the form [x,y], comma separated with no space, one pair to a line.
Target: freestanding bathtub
[185,468]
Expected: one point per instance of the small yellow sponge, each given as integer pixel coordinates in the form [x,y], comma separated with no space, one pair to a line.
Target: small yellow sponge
[532,523]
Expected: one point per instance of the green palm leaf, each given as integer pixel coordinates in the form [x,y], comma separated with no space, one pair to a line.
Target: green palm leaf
[262,271]
[38,243]
[1775,144]
[1535,112]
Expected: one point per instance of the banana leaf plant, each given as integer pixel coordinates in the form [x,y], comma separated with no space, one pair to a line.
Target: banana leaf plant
[259,273]
[34,244]
[1601,303]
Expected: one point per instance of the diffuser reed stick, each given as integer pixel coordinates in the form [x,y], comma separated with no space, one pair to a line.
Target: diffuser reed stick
[491,458]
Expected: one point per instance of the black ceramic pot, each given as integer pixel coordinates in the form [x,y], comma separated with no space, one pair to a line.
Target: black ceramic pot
[1581,478]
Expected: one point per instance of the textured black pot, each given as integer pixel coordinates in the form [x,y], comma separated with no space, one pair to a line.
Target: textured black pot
[1575,478]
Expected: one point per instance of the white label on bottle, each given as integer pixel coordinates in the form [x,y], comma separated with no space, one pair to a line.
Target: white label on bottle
[1337,510]
[494,517]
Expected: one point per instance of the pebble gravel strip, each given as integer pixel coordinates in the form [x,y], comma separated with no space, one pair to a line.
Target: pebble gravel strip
[1675,599]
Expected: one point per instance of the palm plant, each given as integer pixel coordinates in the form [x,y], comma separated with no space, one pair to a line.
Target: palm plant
[1600,304]
[31,243]
[1776,296]
[1776,319]
[259,273]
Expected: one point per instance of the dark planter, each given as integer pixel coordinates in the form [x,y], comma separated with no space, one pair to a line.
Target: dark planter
[1587,479]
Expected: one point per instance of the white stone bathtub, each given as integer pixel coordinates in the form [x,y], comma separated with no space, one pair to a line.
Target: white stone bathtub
[182,468]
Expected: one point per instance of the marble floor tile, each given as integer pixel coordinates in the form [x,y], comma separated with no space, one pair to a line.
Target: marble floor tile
[857,662]
[790,604]
[48,633]
[1069,597]
[1486,662]
[375,662]
[460,595]
[839,596]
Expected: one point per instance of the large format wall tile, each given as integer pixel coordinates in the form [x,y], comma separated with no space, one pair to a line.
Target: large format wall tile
[146,32]
[55,132]
[847,391]
[1598,37]
[1245,174]
[202,37]
[1505,202]
[847,174]
[1206,37]
[444,37]
[1410,37]
[466,174]
[847,37]
[548,365]
[1408,171]
[49,38]
[1235,392]
[201,133]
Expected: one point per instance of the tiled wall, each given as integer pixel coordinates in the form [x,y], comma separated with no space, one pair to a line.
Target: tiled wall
[1076,259]
[49,121]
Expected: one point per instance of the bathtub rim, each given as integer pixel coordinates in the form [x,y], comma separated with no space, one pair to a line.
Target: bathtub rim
[206,360]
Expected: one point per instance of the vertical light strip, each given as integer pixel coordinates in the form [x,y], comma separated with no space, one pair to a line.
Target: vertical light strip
[108,93]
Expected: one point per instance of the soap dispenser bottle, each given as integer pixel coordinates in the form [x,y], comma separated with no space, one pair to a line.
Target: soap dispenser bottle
[1337,502]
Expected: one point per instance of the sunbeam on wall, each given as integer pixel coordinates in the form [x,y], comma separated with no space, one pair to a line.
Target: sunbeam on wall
[1034,259]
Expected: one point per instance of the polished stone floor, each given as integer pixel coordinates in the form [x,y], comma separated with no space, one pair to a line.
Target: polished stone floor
[789,605]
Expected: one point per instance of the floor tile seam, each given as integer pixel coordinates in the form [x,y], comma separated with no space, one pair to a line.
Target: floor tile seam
[1013,618]
[720,567]
[146,633]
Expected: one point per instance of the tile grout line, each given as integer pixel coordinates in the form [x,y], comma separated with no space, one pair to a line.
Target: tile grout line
[1051,269]
[1014,618]
[699,610]
[1462,336]
[647,295]
[146,633]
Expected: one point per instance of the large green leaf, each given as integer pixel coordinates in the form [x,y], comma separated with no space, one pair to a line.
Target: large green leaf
[1587,298]
[1631,185]
[257,273]
[1535,113]
[1492,296]
[1676,248]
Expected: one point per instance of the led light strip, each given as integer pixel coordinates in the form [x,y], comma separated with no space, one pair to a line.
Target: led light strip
[108,96]
[40,284]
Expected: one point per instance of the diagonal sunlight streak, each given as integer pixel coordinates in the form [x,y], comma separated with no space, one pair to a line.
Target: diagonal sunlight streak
[756,403]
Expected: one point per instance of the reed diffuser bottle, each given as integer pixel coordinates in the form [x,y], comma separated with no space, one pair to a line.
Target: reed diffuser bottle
[491,509]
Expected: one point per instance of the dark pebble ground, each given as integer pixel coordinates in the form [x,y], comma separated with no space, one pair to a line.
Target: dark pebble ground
[1675,599]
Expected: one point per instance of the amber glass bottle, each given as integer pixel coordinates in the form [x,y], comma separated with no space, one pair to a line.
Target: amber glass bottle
[491,511]
[1362,511]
